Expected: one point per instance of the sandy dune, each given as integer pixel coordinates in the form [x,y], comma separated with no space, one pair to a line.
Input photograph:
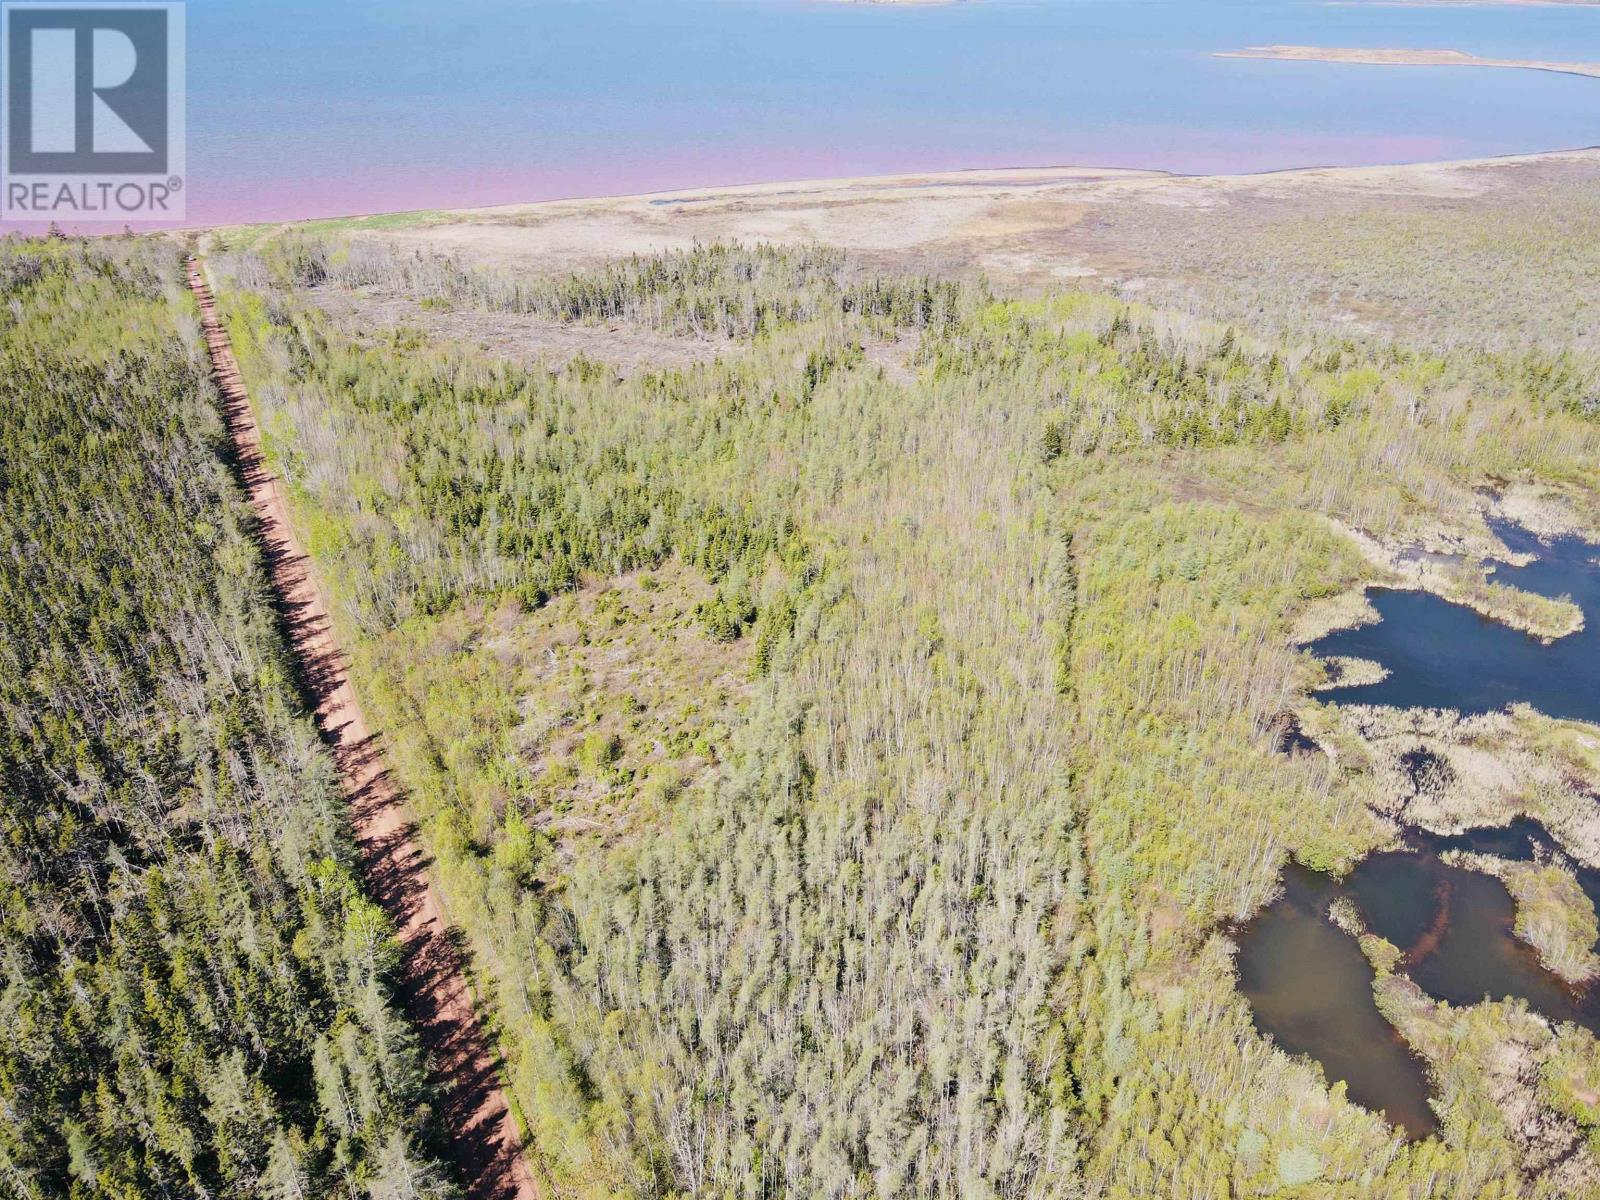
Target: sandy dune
[1025,229]
[1496,250]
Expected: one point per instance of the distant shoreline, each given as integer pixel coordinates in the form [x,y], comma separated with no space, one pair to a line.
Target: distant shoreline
[1002,179]
[1406,58]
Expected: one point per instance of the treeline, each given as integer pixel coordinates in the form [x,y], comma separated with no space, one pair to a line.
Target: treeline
[197,997]
[722,289]
[1124,377]
[466,471]
[480,478]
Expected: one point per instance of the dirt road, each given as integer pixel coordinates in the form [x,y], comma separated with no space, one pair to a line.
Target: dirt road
[484,1141]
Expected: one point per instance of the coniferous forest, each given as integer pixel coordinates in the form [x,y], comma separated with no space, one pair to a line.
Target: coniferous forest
[197,996]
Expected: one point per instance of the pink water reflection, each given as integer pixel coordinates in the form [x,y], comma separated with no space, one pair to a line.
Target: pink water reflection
[1188,151]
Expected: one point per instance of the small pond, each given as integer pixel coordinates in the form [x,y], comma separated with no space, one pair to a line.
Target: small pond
[1454,927]
[1443,655]
[1310,988]
[1309,985]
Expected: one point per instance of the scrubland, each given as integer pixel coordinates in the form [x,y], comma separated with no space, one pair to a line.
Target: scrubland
[844,772]
[840,695]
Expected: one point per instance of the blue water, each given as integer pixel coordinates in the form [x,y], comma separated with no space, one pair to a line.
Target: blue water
[304,107]
[1445,656]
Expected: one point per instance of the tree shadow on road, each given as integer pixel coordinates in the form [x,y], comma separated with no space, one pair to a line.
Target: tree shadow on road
[472,1115]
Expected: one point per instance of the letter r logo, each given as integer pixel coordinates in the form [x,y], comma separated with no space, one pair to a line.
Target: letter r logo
[92,111]
[86,89]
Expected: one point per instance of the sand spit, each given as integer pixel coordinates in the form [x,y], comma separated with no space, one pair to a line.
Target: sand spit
[1405,58]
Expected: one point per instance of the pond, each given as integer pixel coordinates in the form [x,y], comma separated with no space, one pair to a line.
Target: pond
[1443,655]
[1523,840]
[1454,927]
[1310,988]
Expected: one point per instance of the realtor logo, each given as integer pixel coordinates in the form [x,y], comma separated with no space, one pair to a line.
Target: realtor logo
[93,112]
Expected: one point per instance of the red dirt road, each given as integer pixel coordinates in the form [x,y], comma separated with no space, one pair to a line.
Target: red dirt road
[484,1141]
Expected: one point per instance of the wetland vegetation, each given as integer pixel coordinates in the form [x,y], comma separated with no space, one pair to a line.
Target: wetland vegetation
[1493,913]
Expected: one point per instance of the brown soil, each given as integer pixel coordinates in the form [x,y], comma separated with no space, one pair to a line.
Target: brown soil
[484,1141]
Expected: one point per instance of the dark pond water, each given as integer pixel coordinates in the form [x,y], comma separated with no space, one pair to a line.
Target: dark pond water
[1454,927]
[1443,655]
[1522,841]
[1310,988]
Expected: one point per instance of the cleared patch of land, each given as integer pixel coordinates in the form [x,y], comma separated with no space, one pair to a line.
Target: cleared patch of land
[1405,58]
[520,337]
